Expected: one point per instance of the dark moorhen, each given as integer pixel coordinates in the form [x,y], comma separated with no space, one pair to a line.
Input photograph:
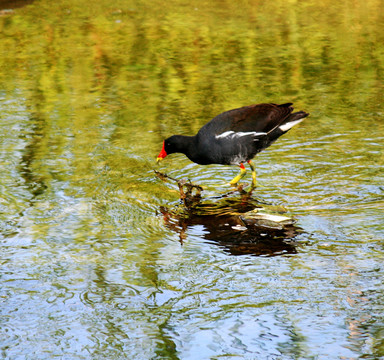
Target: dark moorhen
[235,136]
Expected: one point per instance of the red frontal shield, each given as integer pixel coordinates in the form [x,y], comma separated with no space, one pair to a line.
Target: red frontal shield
[162,154]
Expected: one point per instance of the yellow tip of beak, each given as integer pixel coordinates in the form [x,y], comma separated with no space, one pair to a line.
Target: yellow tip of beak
[159,159]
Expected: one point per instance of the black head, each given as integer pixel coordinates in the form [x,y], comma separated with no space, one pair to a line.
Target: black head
[174,144]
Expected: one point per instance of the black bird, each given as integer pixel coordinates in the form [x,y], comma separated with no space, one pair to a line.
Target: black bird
[235,136]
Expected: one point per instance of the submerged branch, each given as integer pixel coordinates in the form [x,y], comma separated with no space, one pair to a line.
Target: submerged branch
[189,199]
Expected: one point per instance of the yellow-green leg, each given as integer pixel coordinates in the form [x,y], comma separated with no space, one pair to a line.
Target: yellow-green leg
[237,178]
[252,165]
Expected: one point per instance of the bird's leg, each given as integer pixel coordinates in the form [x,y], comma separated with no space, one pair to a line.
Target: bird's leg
[252,165]
[239,176]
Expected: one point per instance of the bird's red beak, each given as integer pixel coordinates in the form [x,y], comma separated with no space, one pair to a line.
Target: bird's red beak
[162,154]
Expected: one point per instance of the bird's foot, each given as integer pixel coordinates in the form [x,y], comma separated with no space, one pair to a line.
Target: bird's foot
[255,184]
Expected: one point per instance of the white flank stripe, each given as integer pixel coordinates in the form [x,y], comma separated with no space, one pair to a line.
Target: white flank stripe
[230,134]
[225,134]
[289,125]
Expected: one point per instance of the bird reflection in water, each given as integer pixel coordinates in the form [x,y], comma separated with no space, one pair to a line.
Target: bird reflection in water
[240,224]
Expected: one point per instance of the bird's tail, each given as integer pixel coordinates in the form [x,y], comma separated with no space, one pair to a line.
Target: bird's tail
[287,124]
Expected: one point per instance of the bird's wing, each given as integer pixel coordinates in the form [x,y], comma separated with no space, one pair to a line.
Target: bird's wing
[260,118]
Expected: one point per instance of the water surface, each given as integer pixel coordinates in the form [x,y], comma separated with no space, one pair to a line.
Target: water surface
[97,261]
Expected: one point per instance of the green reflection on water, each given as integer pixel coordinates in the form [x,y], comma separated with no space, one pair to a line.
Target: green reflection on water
[89,91]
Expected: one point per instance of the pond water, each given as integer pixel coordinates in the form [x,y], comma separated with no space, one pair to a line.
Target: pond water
[98,258]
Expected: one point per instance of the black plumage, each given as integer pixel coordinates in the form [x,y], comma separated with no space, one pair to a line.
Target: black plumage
[235,136]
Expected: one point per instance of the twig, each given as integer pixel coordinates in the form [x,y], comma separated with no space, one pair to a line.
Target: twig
[186,196]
